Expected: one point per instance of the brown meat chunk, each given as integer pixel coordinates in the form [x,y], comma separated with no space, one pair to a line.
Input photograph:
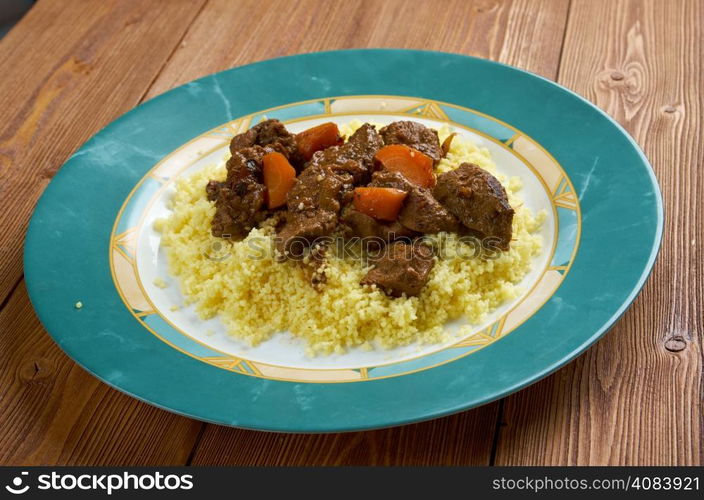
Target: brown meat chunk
[478,200]
[270,133]
[391,179]
[403,269]
[355,157]
[366,227]
[319,187]
[239,200]
[247,162]
[301,229]
[314,203]
[212,189]
[244,140]
[415,135]
[238,208]
[356,170]
[421,212]
[363,145]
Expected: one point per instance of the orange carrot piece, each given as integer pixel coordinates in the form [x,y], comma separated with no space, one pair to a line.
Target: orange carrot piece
[318,138]
[379,202]
[279,178]
[414,165]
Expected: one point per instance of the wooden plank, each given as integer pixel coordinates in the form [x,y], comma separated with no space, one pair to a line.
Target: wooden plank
[525,33]
[75,66]
[53,412]
[635,397]
[463,439]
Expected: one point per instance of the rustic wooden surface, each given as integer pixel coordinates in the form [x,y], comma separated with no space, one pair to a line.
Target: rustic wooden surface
[634,398]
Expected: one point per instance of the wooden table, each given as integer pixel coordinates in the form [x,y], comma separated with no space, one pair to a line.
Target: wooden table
[70,67]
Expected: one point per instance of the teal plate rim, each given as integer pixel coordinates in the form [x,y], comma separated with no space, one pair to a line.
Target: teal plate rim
[66,248]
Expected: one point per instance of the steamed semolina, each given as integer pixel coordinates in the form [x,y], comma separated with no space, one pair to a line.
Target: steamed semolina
[255,296]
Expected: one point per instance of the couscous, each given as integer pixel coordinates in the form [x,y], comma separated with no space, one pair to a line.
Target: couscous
[255,294]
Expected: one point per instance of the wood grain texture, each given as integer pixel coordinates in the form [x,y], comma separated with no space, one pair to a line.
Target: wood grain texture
[524,33]
[75,67]
[635,397]
[463,439]
[55,413]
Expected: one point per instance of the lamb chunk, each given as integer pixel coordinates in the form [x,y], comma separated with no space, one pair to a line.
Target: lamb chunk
[368,228]
[355,157]
[212,189]
[335,159]
[301,229]
[244,140]
[391,179]
[478,200]
[421,212]
[246,162]
[271,133]
[424,214]
[415,135]
[403,269]
[314,204]
[238,208]
[353,168]
[319,187]
[363,145]
[239,200]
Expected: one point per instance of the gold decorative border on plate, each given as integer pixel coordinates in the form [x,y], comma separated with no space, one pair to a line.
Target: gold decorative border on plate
[124,272]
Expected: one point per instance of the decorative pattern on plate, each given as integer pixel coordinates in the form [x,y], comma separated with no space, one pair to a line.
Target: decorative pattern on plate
[565,205]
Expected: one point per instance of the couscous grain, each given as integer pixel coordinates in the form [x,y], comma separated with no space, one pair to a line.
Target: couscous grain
[255,296]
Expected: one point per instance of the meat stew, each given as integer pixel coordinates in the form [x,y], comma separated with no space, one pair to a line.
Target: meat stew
[347,187]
